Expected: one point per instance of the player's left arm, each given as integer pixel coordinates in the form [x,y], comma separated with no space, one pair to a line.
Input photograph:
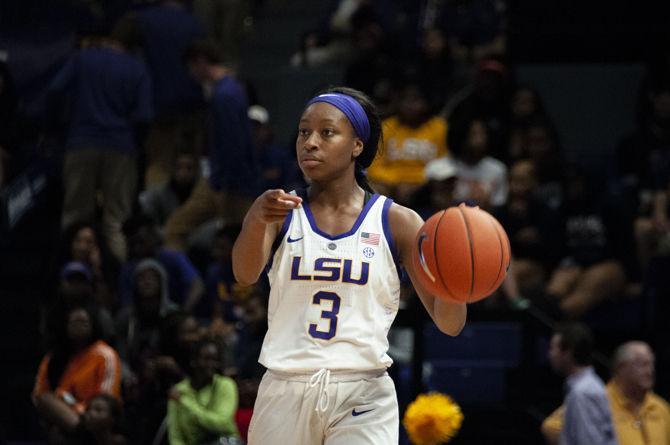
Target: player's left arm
[405,224]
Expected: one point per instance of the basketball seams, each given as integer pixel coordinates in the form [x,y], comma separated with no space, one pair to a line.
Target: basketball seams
[436,232]
[502,258]
[472,252]
[446,263]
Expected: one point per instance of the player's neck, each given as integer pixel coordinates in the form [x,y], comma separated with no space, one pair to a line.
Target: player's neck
[335,194]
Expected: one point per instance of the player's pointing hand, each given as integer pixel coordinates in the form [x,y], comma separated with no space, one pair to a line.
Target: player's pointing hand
[273,206]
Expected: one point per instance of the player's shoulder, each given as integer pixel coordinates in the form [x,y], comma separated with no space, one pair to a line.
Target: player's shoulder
[404,225]
[399,215]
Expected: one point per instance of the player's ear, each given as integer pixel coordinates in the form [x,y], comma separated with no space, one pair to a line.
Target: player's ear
[358,148]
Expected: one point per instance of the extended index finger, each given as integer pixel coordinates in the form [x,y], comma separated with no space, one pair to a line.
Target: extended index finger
[285,200]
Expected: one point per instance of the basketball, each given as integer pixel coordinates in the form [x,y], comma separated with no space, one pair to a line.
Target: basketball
[462,254]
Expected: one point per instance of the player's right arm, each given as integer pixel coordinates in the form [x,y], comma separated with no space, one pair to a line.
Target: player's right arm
[261,225]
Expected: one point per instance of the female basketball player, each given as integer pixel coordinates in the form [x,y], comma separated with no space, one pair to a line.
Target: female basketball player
[334,253]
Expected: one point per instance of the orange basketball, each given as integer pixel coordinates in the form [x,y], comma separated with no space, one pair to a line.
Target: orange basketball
[462,254]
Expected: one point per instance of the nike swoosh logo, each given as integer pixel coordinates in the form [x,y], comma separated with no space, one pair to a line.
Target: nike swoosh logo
[289,240]
[358,413]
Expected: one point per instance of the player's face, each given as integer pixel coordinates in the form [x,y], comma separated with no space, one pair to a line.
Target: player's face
[327,145]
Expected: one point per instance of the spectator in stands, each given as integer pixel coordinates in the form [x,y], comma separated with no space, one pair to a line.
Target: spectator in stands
[185,287]
[587,417]
[439,192]
[167,28]
[526,105]
[161,201]
[227,23]
[488,99]
[251,332]
[82,242]
[77,288]
[202,407]
[643,160]
[277,161]
[111,96]
[596,249]
[374,58]
[233,177]
[223,292]
[534,230]
[138,325]
[434,64]
[475,29]
[181,332]
[412,138]
[482,179]
[101,423]
[640,416]
[147,371]
[331,41]
[78,367]
[541,146]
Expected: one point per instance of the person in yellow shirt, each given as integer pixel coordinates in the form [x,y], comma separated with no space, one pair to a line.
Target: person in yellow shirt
[640,416]
[413,137]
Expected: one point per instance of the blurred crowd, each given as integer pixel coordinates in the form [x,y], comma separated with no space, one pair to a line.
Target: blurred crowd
[148,338]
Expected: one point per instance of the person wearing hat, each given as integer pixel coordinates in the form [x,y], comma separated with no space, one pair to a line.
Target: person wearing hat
[77,287]
[276,161]
[438,192]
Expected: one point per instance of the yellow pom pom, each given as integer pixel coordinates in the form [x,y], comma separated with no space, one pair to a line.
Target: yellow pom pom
[432,419]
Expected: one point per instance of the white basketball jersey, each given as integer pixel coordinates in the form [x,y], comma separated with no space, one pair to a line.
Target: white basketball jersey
[332,298]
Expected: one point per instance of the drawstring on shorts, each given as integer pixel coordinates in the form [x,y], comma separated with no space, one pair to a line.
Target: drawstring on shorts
[321,378]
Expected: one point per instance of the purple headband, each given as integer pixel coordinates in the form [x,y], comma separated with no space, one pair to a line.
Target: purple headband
[351,108]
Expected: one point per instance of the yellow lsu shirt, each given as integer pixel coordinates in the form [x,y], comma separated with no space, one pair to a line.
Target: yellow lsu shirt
[407,151]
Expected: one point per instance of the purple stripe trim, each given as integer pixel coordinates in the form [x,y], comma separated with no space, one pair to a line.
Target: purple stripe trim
[279,239]
[389,235]
[357,224]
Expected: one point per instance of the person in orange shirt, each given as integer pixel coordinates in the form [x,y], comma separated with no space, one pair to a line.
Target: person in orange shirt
[78,367]
[412,138]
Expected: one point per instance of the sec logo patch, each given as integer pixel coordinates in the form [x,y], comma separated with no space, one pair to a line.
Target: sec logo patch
[368,252]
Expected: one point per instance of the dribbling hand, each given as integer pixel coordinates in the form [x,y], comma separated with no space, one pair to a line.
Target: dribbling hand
[273,206]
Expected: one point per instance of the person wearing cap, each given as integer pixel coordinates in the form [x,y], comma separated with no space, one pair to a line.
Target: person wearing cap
[277,164]
[438,192]
[231,180]
[77,287]
[333,254]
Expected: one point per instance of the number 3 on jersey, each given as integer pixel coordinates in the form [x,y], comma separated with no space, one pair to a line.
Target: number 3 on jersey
[330,315]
